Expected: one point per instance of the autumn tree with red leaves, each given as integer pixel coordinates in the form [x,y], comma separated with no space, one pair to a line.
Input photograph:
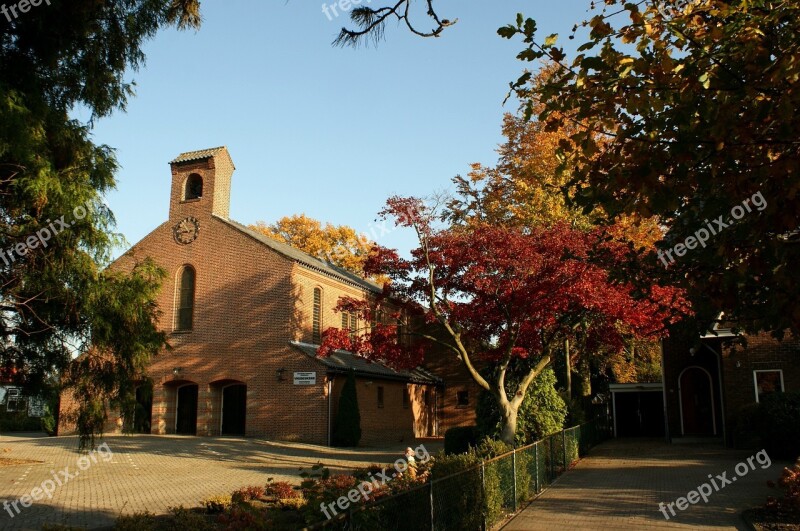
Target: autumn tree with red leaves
[496,293]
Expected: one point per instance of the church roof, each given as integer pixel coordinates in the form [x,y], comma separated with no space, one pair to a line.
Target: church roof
[342,362]
[305,259]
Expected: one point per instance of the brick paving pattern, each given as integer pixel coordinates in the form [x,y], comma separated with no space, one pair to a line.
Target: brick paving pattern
[149,473]
[620,484]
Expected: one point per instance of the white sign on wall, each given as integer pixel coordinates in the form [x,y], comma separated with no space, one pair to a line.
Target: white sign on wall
[305,378]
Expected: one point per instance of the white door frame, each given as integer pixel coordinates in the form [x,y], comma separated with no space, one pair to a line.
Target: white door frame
[711,392]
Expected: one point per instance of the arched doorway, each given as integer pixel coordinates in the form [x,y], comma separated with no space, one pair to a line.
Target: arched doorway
[186,410]
[697,402]
[143,412]
[234,409]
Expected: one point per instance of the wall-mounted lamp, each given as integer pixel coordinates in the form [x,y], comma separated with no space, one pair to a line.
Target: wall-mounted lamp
[738,364]
[280,372]
[176,372]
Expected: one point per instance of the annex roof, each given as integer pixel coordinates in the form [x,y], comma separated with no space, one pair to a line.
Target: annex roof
[342,362]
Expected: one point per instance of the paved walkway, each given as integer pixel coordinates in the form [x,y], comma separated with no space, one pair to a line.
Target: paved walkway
[150,473]
[620,484]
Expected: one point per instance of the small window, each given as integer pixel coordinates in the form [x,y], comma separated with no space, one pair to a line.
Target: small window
[184,314]
[14,402]
[380,397]
[345,321]
[406,398]
[767,382]
[462,398]
[316,325]
[193,188]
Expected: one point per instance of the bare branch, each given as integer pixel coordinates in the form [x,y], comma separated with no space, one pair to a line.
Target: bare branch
[370,23]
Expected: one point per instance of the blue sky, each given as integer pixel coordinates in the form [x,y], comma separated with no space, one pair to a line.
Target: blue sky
[327,131]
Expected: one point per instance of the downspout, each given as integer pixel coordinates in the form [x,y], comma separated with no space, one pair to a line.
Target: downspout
[664,392]
[330,398]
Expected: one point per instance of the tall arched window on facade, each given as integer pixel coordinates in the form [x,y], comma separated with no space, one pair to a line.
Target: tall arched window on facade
[316,324]
[184,308]
[193,188]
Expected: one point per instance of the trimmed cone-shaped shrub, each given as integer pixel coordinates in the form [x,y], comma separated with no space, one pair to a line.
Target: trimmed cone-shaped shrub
[347,430]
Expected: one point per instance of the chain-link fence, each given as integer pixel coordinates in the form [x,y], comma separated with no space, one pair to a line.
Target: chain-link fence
[481,496]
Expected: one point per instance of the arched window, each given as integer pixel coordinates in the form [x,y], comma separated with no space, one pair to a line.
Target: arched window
[193,188]
[184,309]
[316,325]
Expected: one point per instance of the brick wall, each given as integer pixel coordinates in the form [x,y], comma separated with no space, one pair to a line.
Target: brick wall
[392,423]
[762,352]
[445,364]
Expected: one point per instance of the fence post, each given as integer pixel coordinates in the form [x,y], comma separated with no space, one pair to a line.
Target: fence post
[536,466]
[483,494]
[430,497]
[564,445]
[514,474]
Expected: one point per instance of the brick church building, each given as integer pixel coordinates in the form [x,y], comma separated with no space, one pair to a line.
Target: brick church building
[244,315]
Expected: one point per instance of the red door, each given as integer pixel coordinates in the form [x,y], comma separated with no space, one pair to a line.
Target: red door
[697,405]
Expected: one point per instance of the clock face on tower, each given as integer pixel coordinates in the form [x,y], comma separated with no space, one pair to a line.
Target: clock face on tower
[186,230]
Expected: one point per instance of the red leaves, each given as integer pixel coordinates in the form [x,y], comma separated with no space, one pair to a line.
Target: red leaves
[510,290]
[334,339]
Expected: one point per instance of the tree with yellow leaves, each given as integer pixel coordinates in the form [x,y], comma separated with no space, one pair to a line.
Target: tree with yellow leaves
[340,245]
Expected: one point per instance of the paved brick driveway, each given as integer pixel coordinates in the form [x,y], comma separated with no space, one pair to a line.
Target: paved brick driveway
[620,484]
[154,472]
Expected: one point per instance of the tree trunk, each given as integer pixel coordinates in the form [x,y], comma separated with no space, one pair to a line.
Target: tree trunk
[586,376]
[509,431]
[569,370]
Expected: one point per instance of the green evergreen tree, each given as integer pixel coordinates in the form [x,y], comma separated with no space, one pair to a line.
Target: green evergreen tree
[56,234]
[347,431]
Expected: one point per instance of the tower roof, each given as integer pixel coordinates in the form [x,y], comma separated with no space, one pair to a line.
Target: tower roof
[199,154]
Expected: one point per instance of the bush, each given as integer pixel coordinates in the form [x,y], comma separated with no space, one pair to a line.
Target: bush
[779,424]
[458,501]
[216,504]
[347,429]
[281,490]
[246,494]
[542,412]
[135,522]
[744,427]
[459,440]
[789,504]
[18,421]
[241,517]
